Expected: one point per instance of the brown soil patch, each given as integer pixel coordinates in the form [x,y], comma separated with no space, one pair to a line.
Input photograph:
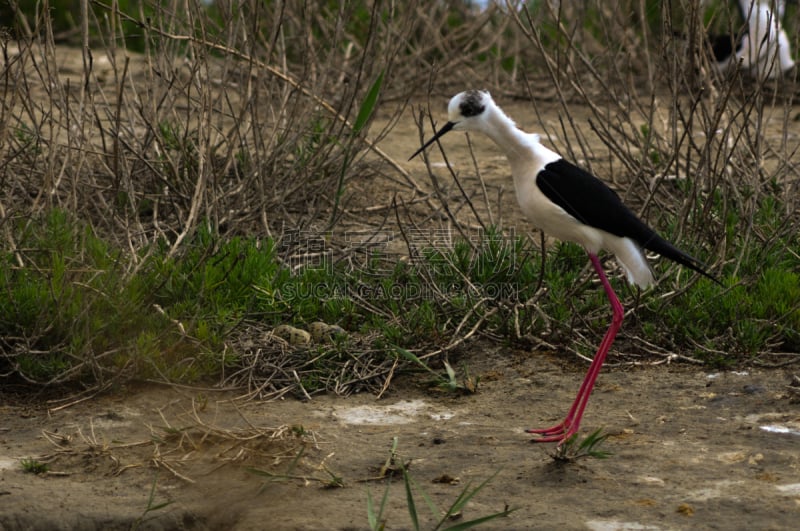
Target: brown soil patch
[689,450]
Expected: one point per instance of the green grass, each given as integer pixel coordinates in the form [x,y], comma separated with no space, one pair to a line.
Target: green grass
[81,309]
[32,466]
[575,448]
[102,293]
[757,310]
[447,519]
[152,506]
[68,304]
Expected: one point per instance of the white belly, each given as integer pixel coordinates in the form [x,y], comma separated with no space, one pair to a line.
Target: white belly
[554,220]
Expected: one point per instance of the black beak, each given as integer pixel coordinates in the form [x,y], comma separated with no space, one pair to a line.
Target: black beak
[447,127]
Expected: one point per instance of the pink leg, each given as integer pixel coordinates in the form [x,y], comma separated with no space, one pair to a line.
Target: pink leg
[564,430]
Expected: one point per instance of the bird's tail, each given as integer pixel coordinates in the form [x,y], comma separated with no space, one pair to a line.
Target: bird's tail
[632,259]
[657,244]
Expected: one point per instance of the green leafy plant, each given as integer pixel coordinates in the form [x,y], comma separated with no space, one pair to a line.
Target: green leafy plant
[33,466]
[453,511]
[449,381]
[151,505]
[575,448]
[363,117]
[376,515]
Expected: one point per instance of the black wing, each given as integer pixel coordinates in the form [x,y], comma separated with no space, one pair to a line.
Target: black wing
[590,201]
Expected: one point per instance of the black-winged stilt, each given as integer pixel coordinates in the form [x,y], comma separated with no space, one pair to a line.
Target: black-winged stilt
[762,47]
[570,204]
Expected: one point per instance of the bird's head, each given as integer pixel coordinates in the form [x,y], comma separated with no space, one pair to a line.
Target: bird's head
[467,111]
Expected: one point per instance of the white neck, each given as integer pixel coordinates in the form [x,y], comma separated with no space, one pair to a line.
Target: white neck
[523,150]
[505,133]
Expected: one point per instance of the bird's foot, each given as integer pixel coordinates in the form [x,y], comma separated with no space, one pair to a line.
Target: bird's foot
[552,430]
[558,433]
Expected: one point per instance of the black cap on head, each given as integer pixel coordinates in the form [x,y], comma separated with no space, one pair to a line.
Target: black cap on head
[472,104]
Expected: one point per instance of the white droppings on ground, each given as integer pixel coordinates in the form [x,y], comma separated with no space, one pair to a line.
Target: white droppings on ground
[781,428]
[775,422]
[792,489]
[719,489]
[650,480]
[715,375]
[402,412]
[616,525]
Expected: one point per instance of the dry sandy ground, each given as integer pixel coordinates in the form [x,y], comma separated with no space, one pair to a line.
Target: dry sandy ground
[691,449]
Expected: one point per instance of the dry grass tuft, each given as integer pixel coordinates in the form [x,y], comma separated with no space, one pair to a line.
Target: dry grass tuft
[186,446]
